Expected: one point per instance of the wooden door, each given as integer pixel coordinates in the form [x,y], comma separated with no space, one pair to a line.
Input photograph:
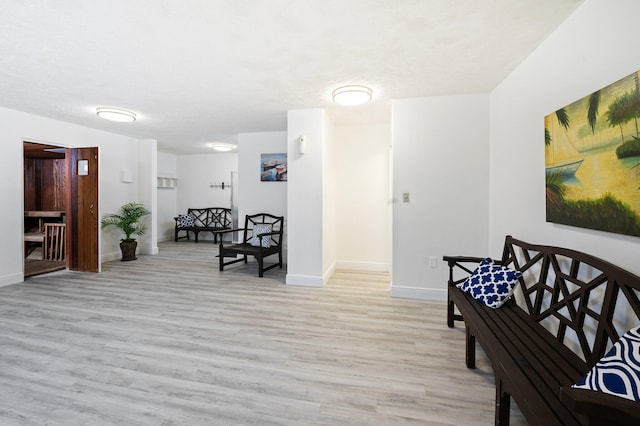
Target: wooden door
[82,209]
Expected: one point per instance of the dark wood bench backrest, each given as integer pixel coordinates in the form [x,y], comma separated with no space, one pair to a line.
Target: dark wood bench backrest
[585,302]
[211,217]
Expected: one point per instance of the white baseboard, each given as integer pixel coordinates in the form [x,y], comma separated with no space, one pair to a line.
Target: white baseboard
[149,250]
[304,280]
[328,273]
[363,266]
[108,257]
[11,279]
[419,293]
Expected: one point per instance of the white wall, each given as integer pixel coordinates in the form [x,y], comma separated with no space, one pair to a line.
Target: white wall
[363,205]
[305,198]
[256,196]
[440,157]
[329,218]
[116,153]
[195,175]
[148,194]
[167,197]
[595,46]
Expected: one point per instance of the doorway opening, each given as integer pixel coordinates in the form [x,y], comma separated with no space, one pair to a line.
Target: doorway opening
[60,208]
[45,209]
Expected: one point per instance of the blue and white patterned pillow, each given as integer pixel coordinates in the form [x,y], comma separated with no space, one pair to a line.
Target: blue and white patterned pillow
[261,228]
[490,283]
[618,373]
[186,220]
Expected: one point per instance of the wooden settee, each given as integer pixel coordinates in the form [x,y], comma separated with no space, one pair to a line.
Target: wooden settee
[209,219]
[567,310]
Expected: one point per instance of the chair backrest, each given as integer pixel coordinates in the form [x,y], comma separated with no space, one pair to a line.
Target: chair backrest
[276,222]
[219,217]
[55,241]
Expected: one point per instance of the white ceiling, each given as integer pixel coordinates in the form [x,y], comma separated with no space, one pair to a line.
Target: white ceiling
[198,71]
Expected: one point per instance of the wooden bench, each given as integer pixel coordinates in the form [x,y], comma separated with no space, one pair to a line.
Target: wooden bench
[567,310]
[210,219]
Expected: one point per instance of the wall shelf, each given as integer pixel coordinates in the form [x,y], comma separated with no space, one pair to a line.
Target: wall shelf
[167,182]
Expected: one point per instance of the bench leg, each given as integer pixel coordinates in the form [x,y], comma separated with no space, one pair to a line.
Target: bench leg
[503,405]
[450,306]
[470,349]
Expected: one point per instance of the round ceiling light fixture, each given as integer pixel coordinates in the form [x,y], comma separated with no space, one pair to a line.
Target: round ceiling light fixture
[223,147]
[116,114]
[352,95]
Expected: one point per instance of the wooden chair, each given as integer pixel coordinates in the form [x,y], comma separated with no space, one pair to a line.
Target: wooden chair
[55,242]
[31,241]
[261,237]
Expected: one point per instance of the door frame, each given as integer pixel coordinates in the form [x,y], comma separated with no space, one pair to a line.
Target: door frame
[70,237]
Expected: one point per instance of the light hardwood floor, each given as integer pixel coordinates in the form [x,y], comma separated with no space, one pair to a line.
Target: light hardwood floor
[169,340]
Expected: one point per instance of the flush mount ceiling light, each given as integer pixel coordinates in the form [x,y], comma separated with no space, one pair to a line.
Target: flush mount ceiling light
[352,95]
[223,147]
[116,114]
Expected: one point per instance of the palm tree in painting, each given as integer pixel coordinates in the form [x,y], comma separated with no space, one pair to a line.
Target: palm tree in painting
[563,120]
[623,109]
[592,110]
[555,188]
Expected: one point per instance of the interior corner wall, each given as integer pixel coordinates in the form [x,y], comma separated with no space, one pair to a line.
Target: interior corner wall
[196,173]
[329,218]
[363,204]
[167,197]
[441,161]
[116,154]
[593,48]
[305,266]
[254,195]
[147,188]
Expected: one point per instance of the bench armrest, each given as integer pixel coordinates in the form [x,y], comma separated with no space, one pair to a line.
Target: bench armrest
[224,231]
[460,262]
[601,408]
[459,270]
[463,259]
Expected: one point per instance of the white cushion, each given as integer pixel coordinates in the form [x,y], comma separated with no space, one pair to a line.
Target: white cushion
[261,228]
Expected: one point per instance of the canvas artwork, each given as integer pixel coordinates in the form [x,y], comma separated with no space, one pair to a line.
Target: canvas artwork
[273,167]
[592,156]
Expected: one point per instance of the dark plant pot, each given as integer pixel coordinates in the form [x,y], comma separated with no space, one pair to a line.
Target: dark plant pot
[128,248]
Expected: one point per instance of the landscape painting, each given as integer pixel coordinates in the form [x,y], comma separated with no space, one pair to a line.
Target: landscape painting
[273,167]
[592,160]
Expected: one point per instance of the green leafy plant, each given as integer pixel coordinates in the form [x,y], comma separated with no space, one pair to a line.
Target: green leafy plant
[127,220]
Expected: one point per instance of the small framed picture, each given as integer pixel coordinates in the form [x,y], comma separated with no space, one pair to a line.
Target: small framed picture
[273,167]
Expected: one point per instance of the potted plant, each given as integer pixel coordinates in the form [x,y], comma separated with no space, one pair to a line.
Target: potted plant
[128,220]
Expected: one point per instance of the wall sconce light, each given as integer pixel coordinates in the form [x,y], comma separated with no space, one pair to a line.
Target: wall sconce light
[116,114]
[302,144]
[352,95]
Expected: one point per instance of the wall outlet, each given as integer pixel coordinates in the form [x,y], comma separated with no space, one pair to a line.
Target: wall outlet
[433,261]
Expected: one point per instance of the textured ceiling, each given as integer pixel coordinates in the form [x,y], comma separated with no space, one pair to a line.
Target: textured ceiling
[198,71]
